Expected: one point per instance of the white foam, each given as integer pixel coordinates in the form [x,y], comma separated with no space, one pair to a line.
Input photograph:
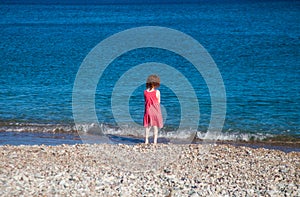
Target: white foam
[232,136]
[129,130]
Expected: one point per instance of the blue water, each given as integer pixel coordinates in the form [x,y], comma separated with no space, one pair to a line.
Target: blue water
[28,138]
[256,46]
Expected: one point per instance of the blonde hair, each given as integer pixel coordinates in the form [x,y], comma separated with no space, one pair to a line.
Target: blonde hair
[153,81]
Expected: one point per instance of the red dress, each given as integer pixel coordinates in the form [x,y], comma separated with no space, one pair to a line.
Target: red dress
[152,114]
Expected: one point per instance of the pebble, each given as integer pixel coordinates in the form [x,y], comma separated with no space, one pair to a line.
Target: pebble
[139,170]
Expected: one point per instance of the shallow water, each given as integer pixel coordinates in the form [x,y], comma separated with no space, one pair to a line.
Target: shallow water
[54,139]
[28,138]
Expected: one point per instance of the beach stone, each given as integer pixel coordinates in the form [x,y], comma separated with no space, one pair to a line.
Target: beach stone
[78,170]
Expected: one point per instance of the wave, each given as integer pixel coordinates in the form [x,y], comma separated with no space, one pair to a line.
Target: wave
[134,132]
[37,127]
[234,136]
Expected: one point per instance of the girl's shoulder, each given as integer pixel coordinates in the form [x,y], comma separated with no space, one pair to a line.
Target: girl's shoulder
[157,92]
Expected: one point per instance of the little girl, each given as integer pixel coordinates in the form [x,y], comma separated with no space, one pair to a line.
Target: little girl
[152,114]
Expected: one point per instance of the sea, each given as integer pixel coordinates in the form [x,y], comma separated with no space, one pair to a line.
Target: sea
[254,44]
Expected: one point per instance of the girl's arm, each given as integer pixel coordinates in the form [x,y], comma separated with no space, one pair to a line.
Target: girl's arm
[158,95]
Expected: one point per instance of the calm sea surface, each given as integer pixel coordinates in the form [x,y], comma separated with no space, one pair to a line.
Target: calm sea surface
[256,47]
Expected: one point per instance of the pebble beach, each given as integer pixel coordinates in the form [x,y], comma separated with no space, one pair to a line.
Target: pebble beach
[145,170]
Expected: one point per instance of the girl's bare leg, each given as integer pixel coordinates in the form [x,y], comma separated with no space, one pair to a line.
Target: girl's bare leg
[147,135]
[155,134]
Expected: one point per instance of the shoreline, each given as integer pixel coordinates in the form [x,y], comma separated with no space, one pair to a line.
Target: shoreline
[272,145]
[175,170]
[283,143]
